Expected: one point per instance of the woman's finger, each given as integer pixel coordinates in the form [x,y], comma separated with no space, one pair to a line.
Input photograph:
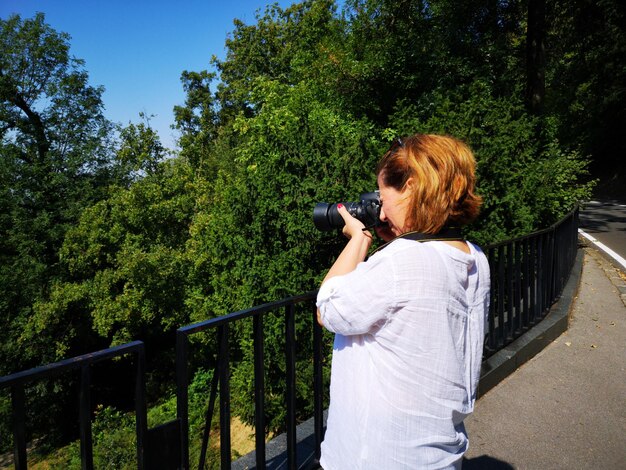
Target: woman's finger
[352,225]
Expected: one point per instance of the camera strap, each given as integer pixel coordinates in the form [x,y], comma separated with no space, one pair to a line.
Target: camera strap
[446,235]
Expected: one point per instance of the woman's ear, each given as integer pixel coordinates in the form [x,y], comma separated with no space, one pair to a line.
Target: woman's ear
[409,186]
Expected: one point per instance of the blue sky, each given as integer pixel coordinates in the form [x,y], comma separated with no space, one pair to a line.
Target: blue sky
[137,49]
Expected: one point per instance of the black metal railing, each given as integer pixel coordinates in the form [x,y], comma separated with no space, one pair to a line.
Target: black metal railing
[221,376]
[19,381]
[528,275]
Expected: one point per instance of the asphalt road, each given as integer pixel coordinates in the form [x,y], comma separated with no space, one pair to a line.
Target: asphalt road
[605,221]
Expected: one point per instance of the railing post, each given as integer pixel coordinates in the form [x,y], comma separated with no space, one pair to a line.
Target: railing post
[509,293]
[259,390]
[534,279]
[525,285]
[182,396]
[517,287]
[492,339]
[224,368]
[141,410]
[501,285]
[290,358]
[86,442]
[318,386]
[541,274]
[552,268]
[18,399]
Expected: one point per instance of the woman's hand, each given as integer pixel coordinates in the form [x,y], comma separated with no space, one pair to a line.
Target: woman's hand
[355,250]
[353,227]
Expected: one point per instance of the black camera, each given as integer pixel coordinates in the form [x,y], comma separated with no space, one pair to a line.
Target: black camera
[326,217]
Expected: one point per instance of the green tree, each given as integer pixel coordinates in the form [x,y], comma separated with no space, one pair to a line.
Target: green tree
[280,46]
[140,152]
[56,159]
[197,119]
[124,278]
[258,243]
[586,81]
[124,259]
[55,147]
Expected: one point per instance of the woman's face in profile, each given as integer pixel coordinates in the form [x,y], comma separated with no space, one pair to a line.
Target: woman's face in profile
[394,207]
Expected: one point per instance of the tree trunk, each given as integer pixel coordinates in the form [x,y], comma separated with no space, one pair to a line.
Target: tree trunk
[535,56]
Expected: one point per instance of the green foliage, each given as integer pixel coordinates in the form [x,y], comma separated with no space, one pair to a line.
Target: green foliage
[526,179]
[140,151]
[293,153]
[126,263]
[114,434]
[586,78]
[114,444]
[55,162]
[6,428]
[280,46]
[114,439]
[197,119]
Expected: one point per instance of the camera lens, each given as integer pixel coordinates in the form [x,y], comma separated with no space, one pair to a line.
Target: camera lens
[326,217]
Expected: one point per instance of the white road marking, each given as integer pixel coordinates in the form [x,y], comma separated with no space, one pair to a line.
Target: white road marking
[604,248]
[603,203]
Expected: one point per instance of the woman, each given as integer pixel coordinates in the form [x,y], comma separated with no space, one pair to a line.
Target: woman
[409,321]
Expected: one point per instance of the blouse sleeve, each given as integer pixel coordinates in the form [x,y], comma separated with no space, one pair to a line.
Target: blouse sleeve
[358,302]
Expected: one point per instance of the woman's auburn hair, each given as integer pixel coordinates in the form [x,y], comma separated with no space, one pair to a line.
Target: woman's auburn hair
[442,189]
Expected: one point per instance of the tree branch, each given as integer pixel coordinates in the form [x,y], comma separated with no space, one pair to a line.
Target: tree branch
[10,93]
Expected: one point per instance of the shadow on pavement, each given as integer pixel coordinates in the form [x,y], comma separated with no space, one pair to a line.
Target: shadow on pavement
[485,462]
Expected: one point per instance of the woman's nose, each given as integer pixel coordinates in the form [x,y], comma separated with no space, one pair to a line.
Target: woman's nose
[382,215]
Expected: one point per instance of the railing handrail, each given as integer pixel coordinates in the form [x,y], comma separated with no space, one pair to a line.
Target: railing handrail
[65,365]
[543,231]
[245,313]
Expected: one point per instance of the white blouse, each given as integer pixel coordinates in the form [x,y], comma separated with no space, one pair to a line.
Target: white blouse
[409,326]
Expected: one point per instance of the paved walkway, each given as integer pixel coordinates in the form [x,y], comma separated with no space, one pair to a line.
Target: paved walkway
[566,407]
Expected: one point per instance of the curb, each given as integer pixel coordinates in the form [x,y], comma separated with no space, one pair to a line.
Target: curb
[508,360]
[614,271]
